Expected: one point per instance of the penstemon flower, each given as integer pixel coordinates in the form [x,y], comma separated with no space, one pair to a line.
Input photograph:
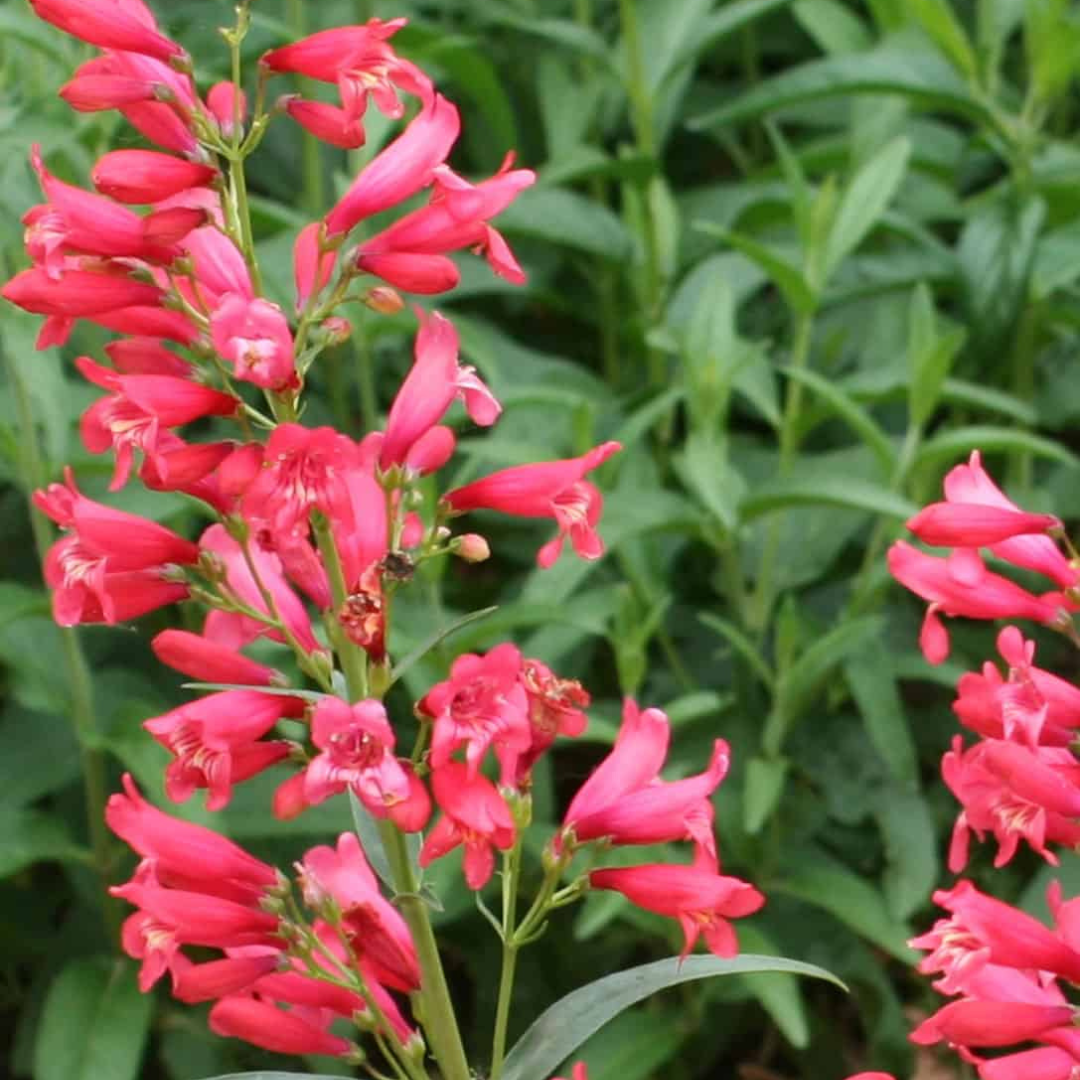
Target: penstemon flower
[306,536]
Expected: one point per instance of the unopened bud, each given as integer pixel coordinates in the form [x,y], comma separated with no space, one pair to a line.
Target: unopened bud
[384,300]
[471,547]
[337,330]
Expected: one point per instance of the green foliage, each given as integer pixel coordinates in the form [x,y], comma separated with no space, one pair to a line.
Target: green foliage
[800,257]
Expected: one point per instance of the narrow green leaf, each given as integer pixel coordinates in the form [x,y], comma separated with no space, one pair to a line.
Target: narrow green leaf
[740,643]
[563,1027]
[872,683]
[560,216]
[848,409]
[797,687]
[911,861]
[437,639]
[779,994]
[280,691]
[843,491]
[94,1023]
[865,199]
[971,395]
[787,277]
[727,19]
[367,831]
[892,68]
[940,22]
[958,443]
[835,28]
[764,786]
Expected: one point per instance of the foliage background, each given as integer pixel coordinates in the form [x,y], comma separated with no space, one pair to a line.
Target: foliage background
[800,256]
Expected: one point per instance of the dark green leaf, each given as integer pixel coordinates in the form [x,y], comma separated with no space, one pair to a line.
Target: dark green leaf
[764,786]
[559,216]
[562,1028]
[957,443]
[842,491]
[436,639]
[873,686]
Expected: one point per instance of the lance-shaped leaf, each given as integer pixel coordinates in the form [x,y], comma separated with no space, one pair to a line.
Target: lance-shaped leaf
[562,1028]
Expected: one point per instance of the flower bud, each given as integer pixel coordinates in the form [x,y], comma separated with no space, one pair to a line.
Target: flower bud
[337,329]
[471,547]
[384,300]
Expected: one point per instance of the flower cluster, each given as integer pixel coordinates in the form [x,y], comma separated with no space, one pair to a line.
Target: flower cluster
[308,534]
[1019,782]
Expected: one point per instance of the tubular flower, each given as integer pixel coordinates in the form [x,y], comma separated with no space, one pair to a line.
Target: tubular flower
[700,898]
[109,25]
[138,409]
[265,1025]
[433,383]
[228,106]
[971,484]
[556,706]
[474,814]
[554,489]
[374,926]
[254,336]
[215,741]
[147,176]
[965,587]
[356,745]
[206,660]
[482,704]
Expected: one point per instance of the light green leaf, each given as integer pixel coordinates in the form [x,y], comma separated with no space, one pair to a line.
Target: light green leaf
[872,683]
[939,20]
[559,216]
[563,1027]
[436,639]
[892,68]
[835,28]
[786,276]
[740,643]
[764,786]
[971,395]
[843,491]
[865,199]
[367,831]
[848,409]
[727,19]
[94,1023]
[958,443]
[911,862]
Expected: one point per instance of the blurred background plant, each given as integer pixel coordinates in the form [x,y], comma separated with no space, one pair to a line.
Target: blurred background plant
[799,256]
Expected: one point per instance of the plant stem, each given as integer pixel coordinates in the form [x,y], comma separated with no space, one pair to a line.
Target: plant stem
[511,880]
[432,1001]
[95,788]
[789,441]
[313,173]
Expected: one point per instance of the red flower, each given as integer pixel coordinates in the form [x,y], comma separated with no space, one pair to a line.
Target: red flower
[146,176]
[254,336]
[701,899]
[205,660]
[267,1026]
[474,814]
[554,489]
[129,27]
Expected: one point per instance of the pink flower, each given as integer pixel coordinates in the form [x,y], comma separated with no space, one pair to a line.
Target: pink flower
[984,931]
[456,218]
[194,983]
[220,269]
[948,524]
[187,856]
[554,489]
[374,926]
[227,104]
[205,660]
[356,745]
[1045,1063]
[238,630]
[327,122]
[964,588]
[556,706]
[982,780]
[482,704]
[579,1072]
[215,741]
[109,25]
[969,1023]
[271,1028]
[138,409]
[402,169]
[254,336]
[474,814]
[434,381]
[92,90]
[312,266]
[971,484]
[701,899]
[146,176]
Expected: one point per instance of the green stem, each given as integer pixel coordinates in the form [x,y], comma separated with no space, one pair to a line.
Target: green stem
[789,441]
[313,172]
[432,1002]
[365,360]
[511,880]
[95,787]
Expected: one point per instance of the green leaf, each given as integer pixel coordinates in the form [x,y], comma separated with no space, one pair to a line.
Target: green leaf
[563,1027]
[779,994]
[274,1075]
[892,68]
[633,1046]
[30,836]
[708,476]
[958,443]
[558,216]
[872,683]
[971,395]
[930,355]
[843,491]
[764,786]
[729,18]
[367,831]
[797,687]
[855,416]
[828,884]
[741,644]
[911,862]
[436,639]
[938,19]
[786,276]
[834,27]
[865,199]
[94,1023]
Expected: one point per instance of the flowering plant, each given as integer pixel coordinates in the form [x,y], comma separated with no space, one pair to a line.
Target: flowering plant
[309,536]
